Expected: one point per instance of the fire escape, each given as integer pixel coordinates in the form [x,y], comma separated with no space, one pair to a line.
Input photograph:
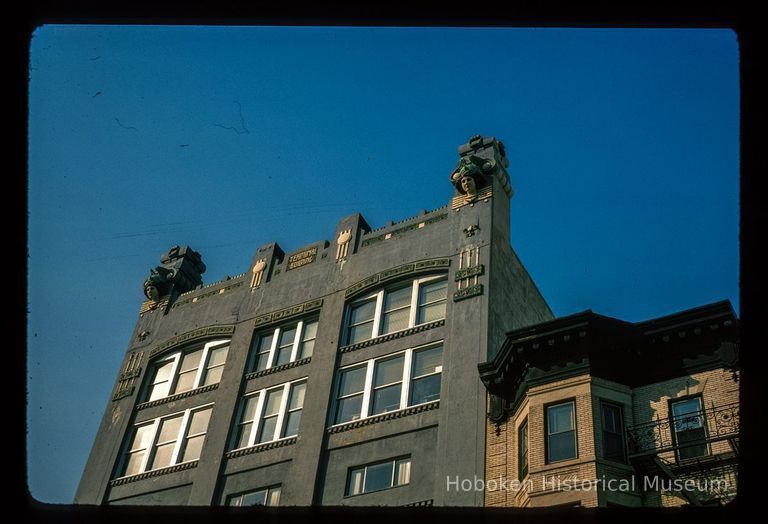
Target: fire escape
[700,446]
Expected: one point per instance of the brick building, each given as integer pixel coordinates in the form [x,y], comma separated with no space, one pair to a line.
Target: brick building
[588,410]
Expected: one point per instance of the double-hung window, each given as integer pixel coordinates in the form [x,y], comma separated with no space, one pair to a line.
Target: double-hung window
[270,414]
[166,441]
[689,426]
[388,383]
[395,308]
[613,431]
[561,432]
[283,344]
[187,370]
[261,497]
[378,476]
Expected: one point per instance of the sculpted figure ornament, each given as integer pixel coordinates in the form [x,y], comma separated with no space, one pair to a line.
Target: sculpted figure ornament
[158,284]
[258,272]
[471,171]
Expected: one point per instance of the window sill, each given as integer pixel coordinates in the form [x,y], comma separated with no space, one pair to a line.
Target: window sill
[178,396]
[411,410]
[154,473]
[392,336]
[262,447]
[277,369]
[375,491]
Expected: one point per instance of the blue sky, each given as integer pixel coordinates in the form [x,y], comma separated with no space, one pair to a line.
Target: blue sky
[623,149]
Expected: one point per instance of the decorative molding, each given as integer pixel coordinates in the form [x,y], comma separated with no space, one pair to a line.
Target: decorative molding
[189,336]
[179,396]
[154,473]
[277,369]
[342,244]
[384,416]
[261,447]
[282,314]
[392,336]
[399,231]
[427,503]
[468,292]
[389,274]
[203,296]
[469,272]
[149,305]
[470,230]
[258,272]
[483,194]
[127,379]
[302,258]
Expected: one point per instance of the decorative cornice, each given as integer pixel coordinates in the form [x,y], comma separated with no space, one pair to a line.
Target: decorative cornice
[153,473]
[400,230]
[293,311]
[389,274]
[207,294]
[469,272]
[190,336]
[468,292]
[385,416]
[277,369]
[261,447]
[179,396]
[392,336]
[429,502]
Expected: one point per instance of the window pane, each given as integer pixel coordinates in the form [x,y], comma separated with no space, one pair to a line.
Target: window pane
[562,446]
[560,418]
[191,360]
[272,405]
[217,356]
[245,434]
[433,291]
[425,389]
[395,321]
[287,336]
[310,330]
[402,472]
[611,419]
[360,333]
[613,446]
[213,376]
[427,361]
[283,356]
[249,411]
[386,399]
[162,457]
[255,498]
[687,414]
[134,463]
[292,425]
[193,447]
[307,348]
[261,362]
[169,429]
[431,312]
[267,432]
[297,396]
[185,381]
[352,381]
[378,477]
[349,409]
[163,372]
[199,422]
[362,312]
[265,342]
[274,497]
[397,298]
[141,439]
[388,371]
[355,483]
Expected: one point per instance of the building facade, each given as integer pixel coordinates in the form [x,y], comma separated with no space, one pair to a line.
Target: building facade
[341,373]
[588,410]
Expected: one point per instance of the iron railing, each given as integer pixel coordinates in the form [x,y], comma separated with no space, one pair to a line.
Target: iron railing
[720,423]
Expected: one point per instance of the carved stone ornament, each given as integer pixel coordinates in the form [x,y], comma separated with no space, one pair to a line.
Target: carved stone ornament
[258,272]
[343,244]
[471,173]
[158,283]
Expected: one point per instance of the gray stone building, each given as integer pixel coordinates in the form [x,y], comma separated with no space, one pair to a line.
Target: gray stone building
[343,373]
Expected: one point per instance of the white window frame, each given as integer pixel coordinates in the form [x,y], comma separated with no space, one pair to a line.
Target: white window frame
[378,315]
[176,358]
[258,417]
[268,491]
[181,438]
[394,461]
[298,339]
[370,365]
